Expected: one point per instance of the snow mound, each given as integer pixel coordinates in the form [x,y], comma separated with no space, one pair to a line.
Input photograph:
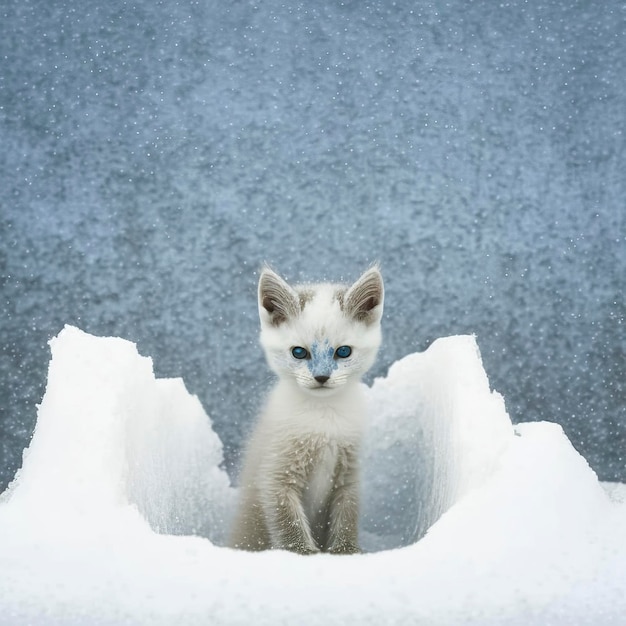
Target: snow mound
[109,435]
[437,432]
[513,526]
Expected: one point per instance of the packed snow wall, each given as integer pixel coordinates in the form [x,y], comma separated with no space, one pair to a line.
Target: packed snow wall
[109,432]
[154,155]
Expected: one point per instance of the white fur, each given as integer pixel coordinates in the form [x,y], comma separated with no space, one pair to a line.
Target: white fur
[321,319]
[299,484]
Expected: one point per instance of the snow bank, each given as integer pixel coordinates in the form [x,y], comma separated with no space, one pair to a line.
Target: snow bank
[437,432]
[109,436]
[523,533]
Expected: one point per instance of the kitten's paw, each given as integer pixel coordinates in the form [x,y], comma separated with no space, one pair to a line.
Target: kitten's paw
[300,548]
[306,551]
[345,548]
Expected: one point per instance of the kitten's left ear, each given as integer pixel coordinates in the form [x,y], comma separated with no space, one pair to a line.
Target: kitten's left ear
[364,300]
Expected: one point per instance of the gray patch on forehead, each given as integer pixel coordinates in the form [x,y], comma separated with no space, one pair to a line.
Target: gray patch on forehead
[305,296]
[339,296]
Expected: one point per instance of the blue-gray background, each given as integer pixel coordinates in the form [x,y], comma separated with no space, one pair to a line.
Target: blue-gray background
[154,153]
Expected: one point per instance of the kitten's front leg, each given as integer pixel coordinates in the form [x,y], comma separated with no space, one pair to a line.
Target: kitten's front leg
[287,522]
[289,528]
[344,506]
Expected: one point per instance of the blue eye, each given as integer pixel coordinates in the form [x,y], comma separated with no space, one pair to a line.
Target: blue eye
[343,352]
[299,353]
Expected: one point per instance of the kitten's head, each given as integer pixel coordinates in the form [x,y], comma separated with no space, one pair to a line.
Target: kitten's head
[322,336]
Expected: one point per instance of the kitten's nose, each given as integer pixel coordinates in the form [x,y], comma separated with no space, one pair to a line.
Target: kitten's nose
[321,379]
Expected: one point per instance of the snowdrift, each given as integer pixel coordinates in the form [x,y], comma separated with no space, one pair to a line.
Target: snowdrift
[120,509]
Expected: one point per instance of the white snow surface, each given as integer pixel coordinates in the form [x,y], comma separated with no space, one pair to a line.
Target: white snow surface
[120,510]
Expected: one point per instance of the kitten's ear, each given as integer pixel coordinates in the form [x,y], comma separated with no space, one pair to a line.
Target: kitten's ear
[364,300]
[277,300]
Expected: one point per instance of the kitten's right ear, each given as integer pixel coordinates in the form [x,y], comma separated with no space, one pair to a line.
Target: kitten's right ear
[364,300]
[277,300]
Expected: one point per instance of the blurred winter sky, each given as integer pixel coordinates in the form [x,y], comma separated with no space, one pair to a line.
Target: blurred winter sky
[155,154]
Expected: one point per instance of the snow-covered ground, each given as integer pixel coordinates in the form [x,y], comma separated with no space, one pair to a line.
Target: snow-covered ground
[120,509]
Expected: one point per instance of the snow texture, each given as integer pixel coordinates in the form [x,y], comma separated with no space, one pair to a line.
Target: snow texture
[519,530]
[155,154]
[437,431]
[108,432]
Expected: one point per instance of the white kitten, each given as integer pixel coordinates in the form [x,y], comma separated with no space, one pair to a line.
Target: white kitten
[300,479]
